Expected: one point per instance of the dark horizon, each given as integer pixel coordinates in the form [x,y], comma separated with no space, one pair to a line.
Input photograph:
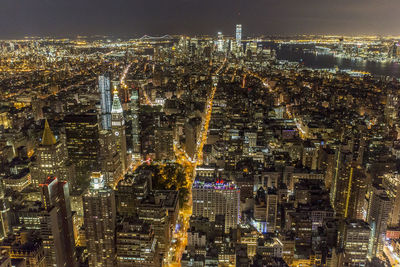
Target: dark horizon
[123,18]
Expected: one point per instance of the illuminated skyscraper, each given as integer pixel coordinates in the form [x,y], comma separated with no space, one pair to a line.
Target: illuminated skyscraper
[217,198]
[220,42]
[118,129]
[135,123]
[354,242]
[341,183]
[394,50]
[56,229]
[272,208]
[378,215]
[391,183]
[260,210]
[357,188]
[99,220]
[238,36]
[82,132]
[109,158]
[50,157]
[105,101]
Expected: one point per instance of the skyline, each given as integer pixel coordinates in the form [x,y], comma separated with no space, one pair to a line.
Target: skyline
[218,150]
[194,17]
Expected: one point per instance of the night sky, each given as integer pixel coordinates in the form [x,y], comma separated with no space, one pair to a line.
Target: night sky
[123,18]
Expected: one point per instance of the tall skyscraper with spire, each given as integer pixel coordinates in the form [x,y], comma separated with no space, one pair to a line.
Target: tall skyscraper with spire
[118,129]
[105,101]
[99,220]
[50,158]
[135,123]
[220,42]
[238,35]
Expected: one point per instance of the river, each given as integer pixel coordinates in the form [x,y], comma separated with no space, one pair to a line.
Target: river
[296,53]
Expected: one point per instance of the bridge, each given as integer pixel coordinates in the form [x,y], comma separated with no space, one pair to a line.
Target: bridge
[152,38]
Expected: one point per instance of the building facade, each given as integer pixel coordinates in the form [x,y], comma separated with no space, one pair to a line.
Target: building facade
[217,198]
[99,221]
[57,230]
[105,101]
[118,130]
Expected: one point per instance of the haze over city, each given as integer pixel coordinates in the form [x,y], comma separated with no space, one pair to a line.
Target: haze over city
[122,18]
